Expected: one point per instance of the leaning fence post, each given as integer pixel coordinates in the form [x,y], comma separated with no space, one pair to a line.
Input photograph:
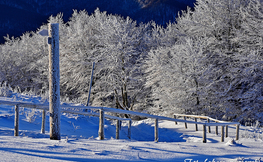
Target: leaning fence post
[204,133]
[209,128]
[175,118]
[196,126]
[101,126]
[156,134]
[16,130]
[90,84]
[237,132]
[185,124]
[129,129]
[222,134]
[226,130]
[118,129]
[43,122]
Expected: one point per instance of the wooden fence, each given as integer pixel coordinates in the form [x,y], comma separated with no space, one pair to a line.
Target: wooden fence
[45,107]
[211,122]
[102,116]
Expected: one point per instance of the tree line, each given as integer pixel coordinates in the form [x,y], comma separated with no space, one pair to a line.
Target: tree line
[208,63]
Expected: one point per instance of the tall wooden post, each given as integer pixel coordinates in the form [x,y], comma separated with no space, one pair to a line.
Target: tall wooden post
[54,78]
[16,130]
[101,126]
[156,131]
[90,84]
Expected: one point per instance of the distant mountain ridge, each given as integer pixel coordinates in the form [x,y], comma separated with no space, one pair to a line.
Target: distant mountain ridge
[19,16]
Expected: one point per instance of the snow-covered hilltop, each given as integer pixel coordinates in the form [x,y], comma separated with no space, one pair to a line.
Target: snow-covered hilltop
[208,63]
[79,140]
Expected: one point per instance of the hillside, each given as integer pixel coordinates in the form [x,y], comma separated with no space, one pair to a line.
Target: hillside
[19,16]
[79,140]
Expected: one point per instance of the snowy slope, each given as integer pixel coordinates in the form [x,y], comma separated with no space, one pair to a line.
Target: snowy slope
[79,140]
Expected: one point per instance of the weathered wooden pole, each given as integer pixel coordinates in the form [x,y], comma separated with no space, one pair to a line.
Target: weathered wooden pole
[156,131]
[54,78]
[185,124]
[196,126]
[204,133]
[175,118]
[237,131]
[43,122]
[118,129]
[90,83]
[101,126]
[16,130]
[222,134]
[129,129]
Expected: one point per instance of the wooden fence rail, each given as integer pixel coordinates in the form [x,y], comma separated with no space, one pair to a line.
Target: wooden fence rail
[45,108]
[102,115]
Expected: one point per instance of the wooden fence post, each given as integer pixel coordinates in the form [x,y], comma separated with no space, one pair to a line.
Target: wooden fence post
[118,129]
[222,134]
[204,133]
[54,79]
[43,122]
[237,132]
[185,124]
[129,129]
[101,126]
[216,129]
[175,118]
[16,130]
[226,130]
[196,126]
[209,128]
[156,134]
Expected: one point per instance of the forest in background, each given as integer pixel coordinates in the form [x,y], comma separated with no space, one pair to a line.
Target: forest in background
[19,16]
[208,63]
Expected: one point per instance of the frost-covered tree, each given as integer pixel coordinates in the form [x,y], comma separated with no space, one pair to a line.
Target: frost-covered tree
[215,19]
[223,81]
[18,58]
[178,75]
[119,70]
[116,45]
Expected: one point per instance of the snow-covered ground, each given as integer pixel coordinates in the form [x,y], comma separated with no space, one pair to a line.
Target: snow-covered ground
[79,140]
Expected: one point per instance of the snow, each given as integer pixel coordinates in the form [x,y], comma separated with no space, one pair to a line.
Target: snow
[79,140]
